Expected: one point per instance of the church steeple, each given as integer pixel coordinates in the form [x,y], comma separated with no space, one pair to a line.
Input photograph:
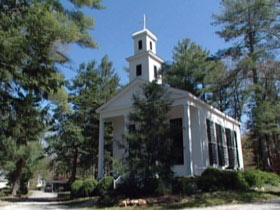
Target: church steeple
[145,64]
[144,22]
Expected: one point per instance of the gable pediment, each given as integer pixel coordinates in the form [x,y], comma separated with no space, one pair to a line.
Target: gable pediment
[124,99]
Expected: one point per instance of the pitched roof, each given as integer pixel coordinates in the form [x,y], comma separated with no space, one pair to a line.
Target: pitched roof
[123,100]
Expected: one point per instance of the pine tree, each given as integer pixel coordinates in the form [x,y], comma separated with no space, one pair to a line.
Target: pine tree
[265,118]
[189,67]
[149,142]
[33,35]
[76,141]
[252,26]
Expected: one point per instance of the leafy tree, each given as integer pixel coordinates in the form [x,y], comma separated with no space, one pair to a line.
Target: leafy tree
[75,142]
[149,138]
[32,38]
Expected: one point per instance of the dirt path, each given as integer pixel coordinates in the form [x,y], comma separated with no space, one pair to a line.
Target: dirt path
[38,200]
[32,205]
[41,194]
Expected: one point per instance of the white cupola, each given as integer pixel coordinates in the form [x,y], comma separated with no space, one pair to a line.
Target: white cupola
[145,64]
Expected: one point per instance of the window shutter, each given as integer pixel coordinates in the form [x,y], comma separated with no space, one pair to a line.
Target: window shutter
[236,147]
[221,145]
[231,148]
[212,144]
[224,147]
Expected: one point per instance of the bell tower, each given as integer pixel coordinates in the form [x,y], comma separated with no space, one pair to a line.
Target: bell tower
[145,64]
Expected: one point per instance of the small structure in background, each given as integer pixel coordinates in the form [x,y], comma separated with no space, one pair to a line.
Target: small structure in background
[3,181]
[56,186]
[37,183]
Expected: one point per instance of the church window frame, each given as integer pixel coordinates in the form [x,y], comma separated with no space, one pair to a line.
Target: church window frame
[176,127]
[138,70]
[155,72]
[151,45]
[140,45]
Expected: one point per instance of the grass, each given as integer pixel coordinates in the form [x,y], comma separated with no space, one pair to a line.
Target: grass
[223,198]
[197,200]
[181,201]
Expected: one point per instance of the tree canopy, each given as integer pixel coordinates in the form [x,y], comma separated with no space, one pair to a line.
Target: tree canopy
[33,35]
[75,138]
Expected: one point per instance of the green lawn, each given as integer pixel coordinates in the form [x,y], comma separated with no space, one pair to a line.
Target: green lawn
[197,200]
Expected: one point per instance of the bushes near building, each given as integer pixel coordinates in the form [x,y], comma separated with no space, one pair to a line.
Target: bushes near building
[105,186]
[257,178]
[83,188]
[89,187]
[214,179]
[76,189]
[211,180]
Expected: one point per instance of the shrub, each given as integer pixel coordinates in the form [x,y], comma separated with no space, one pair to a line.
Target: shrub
[154,186]
[184,185]
[209,180]
[253,178]
[232,180]
[105,185]
[131,187]
[270,178]
[88,187]
[5,192]
[128,188]
[257,178]
[215,179]
[76,189]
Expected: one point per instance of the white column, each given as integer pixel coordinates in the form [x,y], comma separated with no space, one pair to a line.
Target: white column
[126,124]
[188,162]
[239,147]
[125,133]
[101,149]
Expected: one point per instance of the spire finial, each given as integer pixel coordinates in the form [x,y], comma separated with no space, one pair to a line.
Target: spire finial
[144,21]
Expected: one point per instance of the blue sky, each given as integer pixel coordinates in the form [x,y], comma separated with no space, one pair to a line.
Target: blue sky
[170,20]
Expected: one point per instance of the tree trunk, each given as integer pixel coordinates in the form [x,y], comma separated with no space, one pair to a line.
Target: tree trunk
[269,158]
[16,178]
[74,168]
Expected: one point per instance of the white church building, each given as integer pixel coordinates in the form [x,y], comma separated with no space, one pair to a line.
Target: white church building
[207,137]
